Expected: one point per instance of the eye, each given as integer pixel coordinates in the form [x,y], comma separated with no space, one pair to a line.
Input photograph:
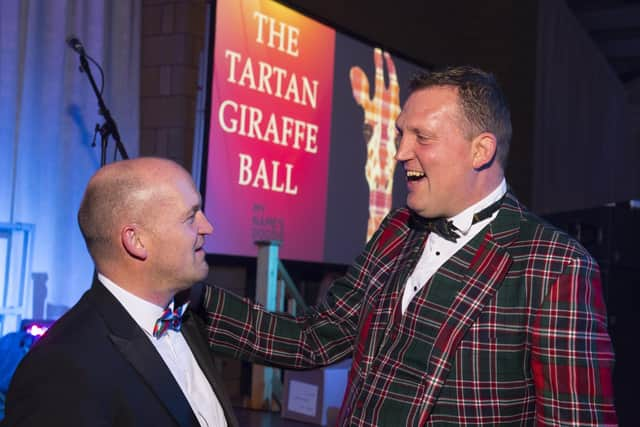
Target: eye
[422,139]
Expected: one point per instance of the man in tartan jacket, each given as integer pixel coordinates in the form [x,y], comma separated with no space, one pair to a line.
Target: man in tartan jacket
[492,318]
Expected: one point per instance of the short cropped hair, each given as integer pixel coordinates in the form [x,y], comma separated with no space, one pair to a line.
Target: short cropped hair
[483,103]
[102,208]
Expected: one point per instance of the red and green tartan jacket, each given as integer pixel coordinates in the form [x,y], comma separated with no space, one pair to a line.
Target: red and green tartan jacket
[510,331]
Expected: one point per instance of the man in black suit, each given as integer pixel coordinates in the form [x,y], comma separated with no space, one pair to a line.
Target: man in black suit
[110,361]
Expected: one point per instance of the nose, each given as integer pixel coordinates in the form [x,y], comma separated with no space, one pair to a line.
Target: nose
[403,151]
[205,226]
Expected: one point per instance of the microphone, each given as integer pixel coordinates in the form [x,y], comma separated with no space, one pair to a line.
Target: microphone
[75,44]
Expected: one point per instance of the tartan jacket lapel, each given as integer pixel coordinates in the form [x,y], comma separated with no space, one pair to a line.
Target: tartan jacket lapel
[391,295]
[382,302]
[482,264]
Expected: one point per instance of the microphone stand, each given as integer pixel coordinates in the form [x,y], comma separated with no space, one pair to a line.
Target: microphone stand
[109,126]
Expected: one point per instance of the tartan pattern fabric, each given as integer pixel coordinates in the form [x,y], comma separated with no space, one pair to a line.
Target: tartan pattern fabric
[170,319]
[511,331]
[380,113]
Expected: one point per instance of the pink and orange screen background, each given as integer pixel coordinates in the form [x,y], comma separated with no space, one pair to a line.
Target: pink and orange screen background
[326,220]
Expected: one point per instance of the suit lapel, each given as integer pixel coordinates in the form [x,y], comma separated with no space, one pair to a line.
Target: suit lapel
[482,264]
[384,305]
[191,330]
[136,348]
[146,360]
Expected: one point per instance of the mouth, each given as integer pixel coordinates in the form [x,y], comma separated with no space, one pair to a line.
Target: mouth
[413,175]
[200,254]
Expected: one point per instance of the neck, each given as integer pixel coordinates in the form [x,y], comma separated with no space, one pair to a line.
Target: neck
[140,288]
[481,190]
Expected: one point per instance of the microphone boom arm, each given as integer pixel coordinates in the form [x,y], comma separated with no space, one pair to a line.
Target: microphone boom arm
[109,127]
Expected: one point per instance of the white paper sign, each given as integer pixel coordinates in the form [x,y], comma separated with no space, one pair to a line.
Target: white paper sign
[303,398]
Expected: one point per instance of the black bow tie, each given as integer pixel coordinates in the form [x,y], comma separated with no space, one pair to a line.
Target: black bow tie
[444,227]
[441,226]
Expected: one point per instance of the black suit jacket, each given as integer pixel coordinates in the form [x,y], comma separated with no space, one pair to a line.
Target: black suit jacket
[96,367]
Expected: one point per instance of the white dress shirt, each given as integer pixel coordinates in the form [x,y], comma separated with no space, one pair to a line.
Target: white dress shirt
[438,250]
[177,355]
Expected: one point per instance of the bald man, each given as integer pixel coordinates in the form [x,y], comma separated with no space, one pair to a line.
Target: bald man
[127,354]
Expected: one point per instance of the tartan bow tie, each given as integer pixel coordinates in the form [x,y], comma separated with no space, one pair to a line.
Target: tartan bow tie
[170,319]
[444,227]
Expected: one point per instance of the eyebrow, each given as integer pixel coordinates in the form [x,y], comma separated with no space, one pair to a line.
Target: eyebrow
[415,130]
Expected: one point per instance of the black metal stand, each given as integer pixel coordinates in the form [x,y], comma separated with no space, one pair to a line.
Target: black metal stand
[109,126]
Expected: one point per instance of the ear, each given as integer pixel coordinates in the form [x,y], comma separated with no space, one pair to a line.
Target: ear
[132,243]
[483,150]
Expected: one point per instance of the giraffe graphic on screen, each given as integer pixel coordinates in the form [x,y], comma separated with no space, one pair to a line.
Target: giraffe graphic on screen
[380,113]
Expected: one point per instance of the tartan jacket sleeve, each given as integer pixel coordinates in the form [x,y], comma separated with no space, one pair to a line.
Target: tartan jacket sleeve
[239,328]
[325,334]
[571,355]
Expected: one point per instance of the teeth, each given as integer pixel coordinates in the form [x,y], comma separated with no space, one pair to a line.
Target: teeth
[414,175]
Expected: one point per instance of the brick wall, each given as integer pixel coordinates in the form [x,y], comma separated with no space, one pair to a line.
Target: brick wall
[172,40]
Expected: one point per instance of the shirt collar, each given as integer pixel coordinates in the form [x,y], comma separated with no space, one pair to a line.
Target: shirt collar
[143,312]
[464,220]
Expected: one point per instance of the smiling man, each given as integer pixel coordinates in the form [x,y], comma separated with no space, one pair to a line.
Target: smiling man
[127,354]
[464,308]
